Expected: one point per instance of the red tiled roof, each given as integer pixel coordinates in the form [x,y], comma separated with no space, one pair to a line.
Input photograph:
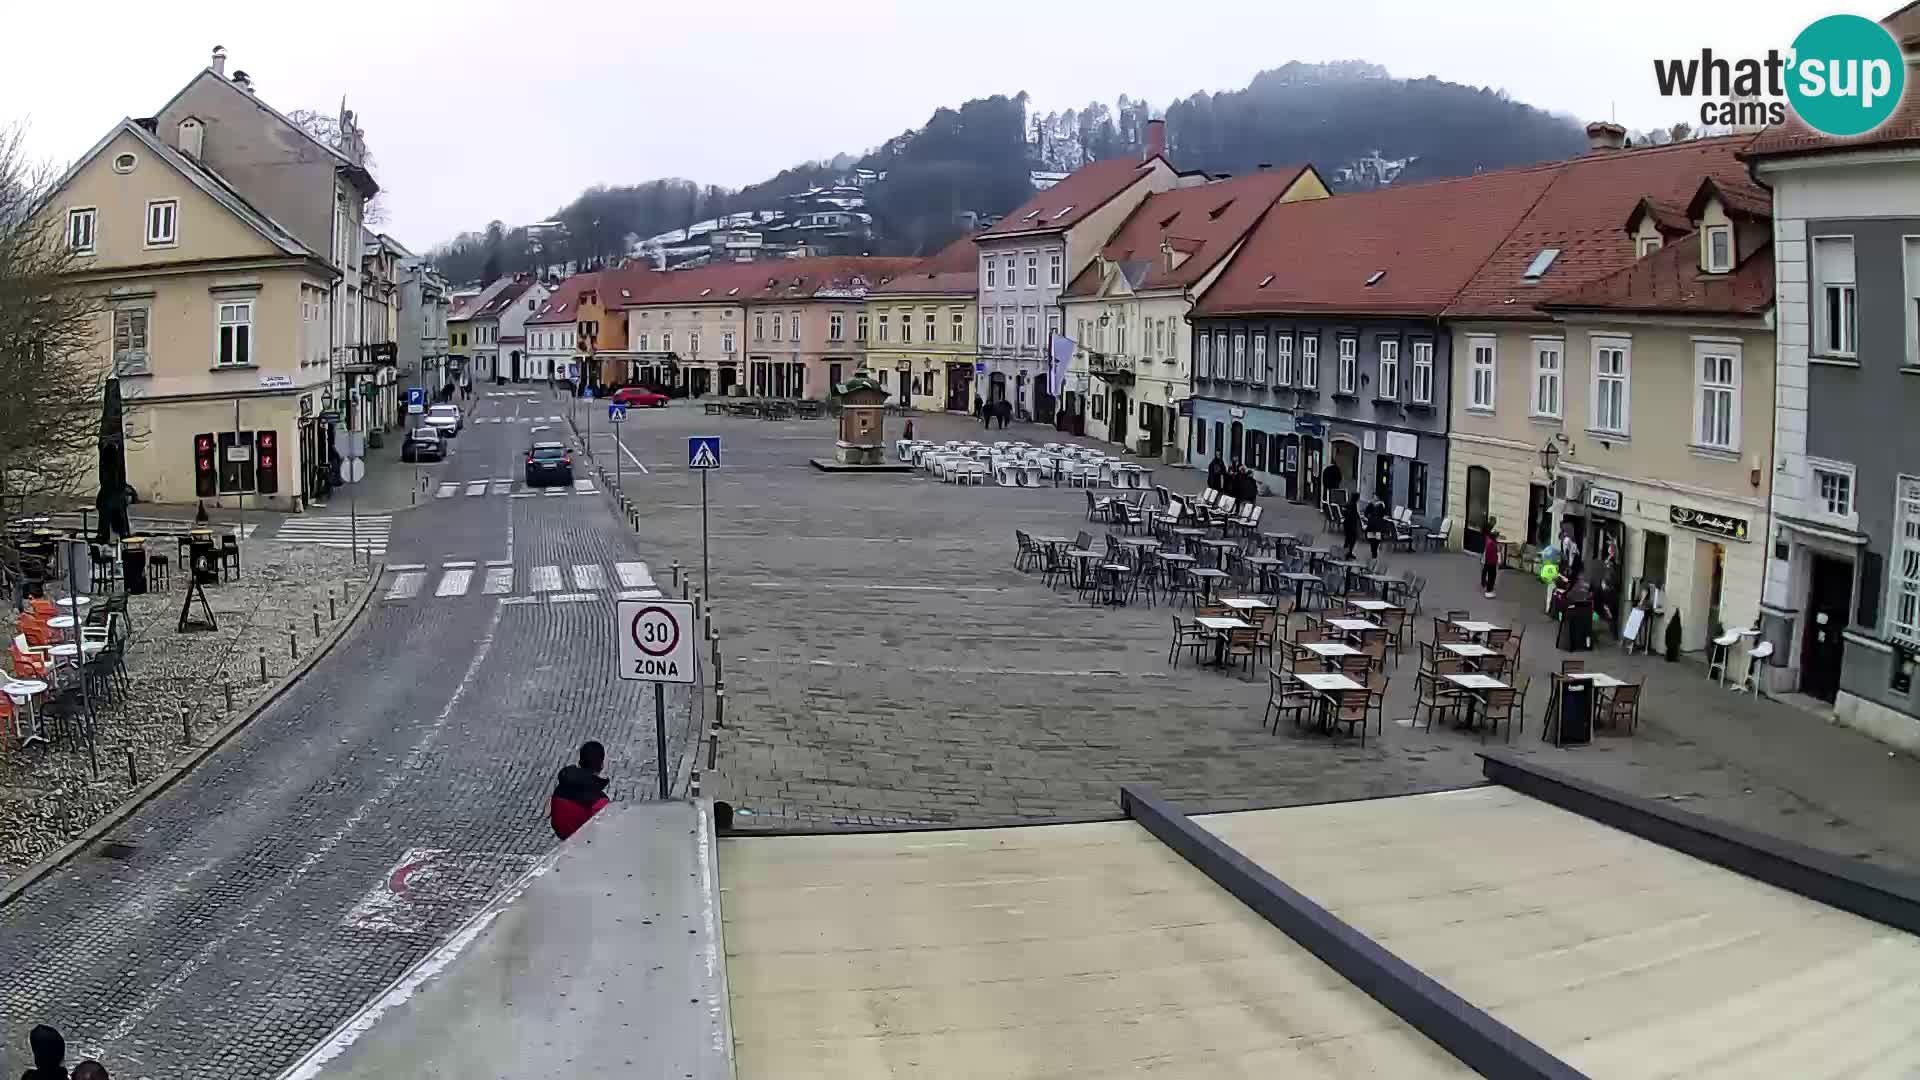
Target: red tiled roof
[473,304]
[851,276]
[1581,214]
[1062,206]
[502,299]
[1317,255]
[954,269]
[626,284]
[564,303]
[1670,281]
[1204,222]
[1669,219]
[1900,129]
[770,279]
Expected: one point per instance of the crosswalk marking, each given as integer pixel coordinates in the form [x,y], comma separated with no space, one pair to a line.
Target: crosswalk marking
[456,564]
[571,598]
[499,581]
[517,420]
[546,579]
[633,575]
[454,583]
[554,493]
[639,594]
[445,491]
[512,489]
[370,531]
[589,576]
[501,487]
[584,486]
[476,487]
[405,585]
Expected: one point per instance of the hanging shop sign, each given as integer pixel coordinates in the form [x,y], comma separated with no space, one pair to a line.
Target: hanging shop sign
[1607,499]
[1723,525]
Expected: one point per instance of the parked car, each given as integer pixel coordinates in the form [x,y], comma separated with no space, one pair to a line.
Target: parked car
[424,444]
[549,463]
[639,397]
[446,417]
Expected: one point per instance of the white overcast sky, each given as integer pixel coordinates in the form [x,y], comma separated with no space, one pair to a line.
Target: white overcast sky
[491,109]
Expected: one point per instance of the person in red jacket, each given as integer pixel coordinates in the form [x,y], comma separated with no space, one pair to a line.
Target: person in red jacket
[581,791]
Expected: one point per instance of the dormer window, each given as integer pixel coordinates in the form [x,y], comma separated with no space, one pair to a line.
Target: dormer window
[1719,248]
[1646,246]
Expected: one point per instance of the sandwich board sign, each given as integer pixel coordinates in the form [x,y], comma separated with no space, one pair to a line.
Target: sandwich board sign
[656,640]
[703,451]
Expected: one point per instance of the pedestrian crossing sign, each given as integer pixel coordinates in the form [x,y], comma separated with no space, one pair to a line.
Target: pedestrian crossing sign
[616,412]
[703,451]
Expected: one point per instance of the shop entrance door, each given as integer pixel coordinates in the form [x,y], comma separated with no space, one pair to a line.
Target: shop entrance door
[1829,594]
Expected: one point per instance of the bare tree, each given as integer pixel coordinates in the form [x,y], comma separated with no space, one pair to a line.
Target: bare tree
[326,128]
[51,362]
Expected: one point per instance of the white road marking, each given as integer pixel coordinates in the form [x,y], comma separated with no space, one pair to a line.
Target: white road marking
[640,594]
[554,493]
[454,583]
[584,486]
[633,575]
[546,579]
[445,490]
[477,487]
[499,580]
[523,495]
[498,562]
[408,566]
[636,461]
[406,585]
[538,427]
[589,576]
[520,600]
[571,598]
[457,563]
[501,487]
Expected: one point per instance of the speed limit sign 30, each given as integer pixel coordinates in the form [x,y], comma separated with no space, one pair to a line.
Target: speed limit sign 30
[656,640]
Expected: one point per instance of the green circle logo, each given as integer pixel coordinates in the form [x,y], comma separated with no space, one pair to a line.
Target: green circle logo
[1848,75]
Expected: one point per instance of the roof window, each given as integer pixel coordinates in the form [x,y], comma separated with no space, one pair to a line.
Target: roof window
[1064,211]
[1266,281]
[1374,278]
[1538,267]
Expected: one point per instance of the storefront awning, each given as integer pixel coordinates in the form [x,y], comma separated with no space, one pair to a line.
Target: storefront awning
[1831,533]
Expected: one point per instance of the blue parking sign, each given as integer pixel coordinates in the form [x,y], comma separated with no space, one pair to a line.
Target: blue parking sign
[416,399]
[703,451]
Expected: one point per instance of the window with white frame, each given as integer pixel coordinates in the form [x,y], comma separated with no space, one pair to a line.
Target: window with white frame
[1389,386]
[1646,246]
[1240,356]
[236,333]
[1222,357]
[780,329]
[1549,360]
[1423,373]
[1120,336]
[1033,269]
[1006,324]
[1833,296]
[1612,389]
[993,274]
[666,341]
[886,328]
[959,327]
[1903,620]
[836,327]
[1310,362]
[1830,485]
[1159,337]
[1033,329]
[163,220]
[931,325]
[1053,268]
[1719,241]
[726,342]
[986,330]
[130,340]
[1013,279]
[759,328]
[1716,397]
[860,327]
[642,342]
[1053,327]
[906,327]
[80,229]
[1260,358]
[1482,370]
[1202,357]
[1349,371]
[1283,359]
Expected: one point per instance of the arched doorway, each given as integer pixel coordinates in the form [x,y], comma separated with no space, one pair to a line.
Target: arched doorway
[1118,413]
[518,375]
[1237,434]
[1346,454]
[1479,486]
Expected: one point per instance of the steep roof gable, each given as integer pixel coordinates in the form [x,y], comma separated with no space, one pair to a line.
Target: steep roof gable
[1202,224]
[1063,205]
[564,302]
[954,269]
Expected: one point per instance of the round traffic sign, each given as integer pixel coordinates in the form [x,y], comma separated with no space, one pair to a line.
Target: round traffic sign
[655,631]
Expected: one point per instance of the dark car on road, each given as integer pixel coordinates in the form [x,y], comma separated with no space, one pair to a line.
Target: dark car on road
[549,463]
[424,444]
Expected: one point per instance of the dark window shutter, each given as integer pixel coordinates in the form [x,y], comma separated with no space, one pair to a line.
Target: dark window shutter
[1868,615]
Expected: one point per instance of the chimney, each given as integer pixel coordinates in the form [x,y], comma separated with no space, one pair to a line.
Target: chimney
[244,81]
[191,136]
[1605,135]
[220,60]
[1156,140]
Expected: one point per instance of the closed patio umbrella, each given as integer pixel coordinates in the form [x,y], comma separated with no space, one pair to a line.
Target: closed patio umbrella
[112,499]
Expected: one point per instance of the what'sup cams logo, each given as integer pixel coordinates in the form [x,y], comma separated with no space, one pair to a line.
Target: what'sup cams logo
[1843,76]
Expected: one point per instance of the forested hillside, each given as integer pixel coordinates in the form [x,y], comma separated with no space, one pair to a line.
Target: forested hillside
[1352,120]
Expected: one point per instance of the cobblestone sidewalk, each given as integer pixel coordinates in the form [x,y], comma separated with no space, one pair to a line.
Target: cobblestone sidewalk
[179,697]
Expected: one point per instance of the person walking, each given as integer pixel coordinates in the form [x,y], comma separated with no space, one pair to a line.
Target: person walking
[986,415]
[90,1070]
[1490,560]
[1217,473]
[1329,487]
[1376,523]
[1350,520]
[581,791]
[1006,413]
[49,1054]
[908,433]
[1247,490]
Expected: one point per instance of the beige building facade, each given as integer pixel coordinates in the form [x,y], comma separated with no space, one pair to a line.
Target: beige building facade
[215,319]
[920,331]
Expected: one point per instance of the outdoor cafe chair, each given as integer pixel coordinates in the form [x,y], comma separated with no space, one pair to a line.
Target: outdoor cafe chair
[1179,580]
[1285,694]
[1350,709]
[1025,553]
[1356,667]
[1434,693]
[1496,706]
[1374,648]
[1243,644]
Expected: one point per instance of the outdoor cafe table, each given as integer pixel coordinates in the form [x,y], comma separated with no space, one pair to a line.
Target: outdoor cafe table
[1352,569]
[1473,685]
[1246,603]
[1475,627]
[1187,532]
[1468,652]
[1356,627]
[1263,569]
[1218,547]
[1300,580]
[1382,583]
[1373,605]
[1327,684]
[1331,651]
[66,650]
[1139,542]
[1083,560]
[1221,626]
[74,601]
[1207,576]
[22,692]
[1599,680]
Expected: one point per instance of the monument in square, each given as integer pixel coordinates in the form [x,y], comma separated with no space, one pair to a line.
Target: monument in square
[861,445]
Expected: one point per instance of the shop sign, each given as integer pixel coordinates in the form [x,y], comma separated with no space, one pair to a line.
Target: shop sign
[1305,426]
[1607,499]
[1236,413]
[1723,525]
[306,406]
[1402,444]
[1366,440]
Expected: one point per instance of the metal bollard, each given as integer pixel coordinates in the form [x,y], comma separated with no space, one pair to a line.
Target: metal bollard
[263,665]
[332,612]
[186,725]
[133,774]
[316,618]
[293,642]
[719,707]
[676,573]
[227,687]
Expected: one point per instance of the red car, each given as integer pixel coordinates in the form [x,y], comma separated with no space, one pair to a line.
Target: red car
[638,397]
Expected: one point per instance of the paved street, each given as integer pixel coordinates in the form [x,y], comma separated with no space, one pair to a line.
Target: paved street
[238,917]
[887,664]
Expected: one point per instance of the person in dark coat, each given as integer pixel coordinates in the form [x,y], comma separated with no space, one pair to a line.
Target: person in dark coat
[1217,474]
[1351,522]
[49,1054]
[1376,515]
[1006,413]
[1330,477]
[90,1070]
[581,791]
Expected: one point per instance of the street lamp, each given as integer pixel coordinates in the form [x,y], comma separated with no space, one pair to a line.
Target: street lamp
[1549,457]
